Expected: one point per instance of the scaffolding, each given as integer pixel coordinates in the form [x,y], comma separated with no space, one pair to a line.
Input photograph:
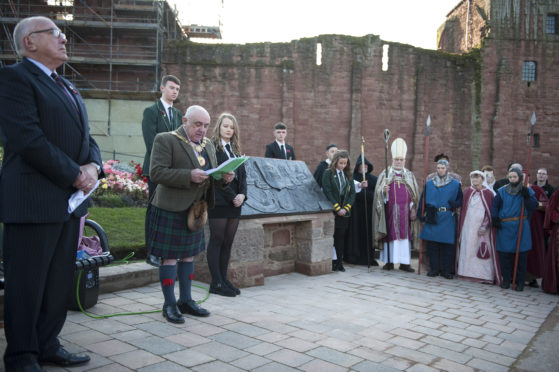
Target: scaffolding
[112,44]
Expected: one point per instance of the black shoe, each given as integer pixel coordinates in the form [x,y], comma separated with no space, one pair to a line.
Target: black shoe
[447,276]
[388,266]
[374,263]
[63,358]
[230,285]
[432,274]
[534,284]
[334,266]
[341,266]
[222,290]
[192,308]
[407,268]
[519,287]
[172,314]
[505,285]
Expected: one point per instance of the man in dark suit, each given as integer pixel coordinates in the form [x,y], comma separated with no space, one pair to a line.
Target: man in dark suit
[49,155]
[160,117]
[279,149]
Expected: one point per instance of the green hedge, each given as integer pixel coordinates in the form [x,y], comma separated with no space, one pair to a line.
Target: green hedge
[124,228]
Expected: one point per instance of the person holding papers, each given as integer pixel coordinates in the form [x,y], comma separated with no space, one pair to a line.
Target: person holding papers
[224,217]
[179,161]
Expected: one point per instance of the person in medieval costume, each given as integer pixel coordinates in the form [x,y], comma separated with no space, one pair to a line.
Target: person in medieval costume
[360,223]
[396,199]
[443,196]
[451,174]
[511,201]
[477,257]
[550,278]
[536,256]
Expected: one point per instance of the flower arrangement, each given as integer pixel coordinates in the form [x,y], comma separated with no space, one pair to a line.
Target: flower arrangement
[123,185]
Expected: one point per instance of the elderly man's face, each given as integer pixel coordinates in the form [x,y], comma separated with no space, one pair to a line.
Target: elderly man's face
[398,163]
[197,126]
[41,44]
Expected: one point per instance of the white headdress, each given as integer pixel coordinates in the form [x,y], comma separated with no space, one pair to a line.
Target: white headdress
[399,148]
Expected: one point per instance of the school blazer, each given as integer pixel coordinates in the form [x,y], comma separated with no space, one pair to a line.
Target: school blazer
[331,188]
[274,151]
[156,120]
[172,160]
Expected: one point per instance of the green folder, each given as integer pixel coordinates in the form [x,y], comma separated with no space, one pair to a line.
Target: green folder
[226,167]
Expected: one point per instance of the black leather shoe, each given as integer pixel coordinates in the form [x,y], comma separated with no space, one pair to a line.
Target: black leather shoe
[432,274]
[334,266]
[64,358]
[33,367]
[172,314]
[192,308]
[406,268]
[534,284]
[341,266]
[447,276]
[230,285]
[505,285]
[222,290]
[388,266]
[519,287]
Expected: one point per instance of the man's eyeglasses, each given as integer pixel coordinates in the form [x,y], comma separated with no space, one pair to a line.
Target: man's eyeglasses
[54,31]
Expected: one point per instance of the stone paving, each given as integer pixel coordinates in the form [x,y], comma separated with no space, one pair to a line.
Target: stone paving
[358,321]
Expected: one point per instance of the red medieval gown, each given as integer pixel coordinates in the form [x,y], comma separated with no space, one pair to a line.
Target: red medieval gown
[551,268]
[536,256]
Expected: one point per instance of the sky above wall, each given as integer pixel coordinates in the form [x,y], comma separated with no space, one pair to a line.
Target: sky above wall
[412,22]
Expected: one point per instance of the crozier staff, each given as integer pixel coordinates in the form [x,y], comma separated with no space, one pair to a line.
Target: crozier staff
[178,163]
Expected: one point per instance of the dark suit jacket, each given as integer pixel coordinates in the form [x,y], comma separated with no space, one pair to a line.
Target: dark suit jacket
[172,160]
[224,197]
[156,120]
[273,151]
[45,142]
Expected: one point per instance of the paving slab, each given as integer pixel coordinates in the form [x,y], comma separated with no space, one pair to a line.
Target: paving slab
[351,321]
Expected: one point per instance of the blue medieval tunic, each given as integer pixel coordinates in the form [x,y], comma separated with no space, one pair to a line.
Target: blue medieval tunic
[445,198]
[507,206]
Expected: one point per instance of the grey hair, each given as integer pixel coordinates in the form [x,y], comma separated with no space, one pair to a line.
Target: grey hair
[192,109]
[22,29]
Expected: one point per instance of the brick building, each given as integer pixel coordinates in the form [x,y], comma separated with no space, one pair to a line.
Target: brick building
[496,64]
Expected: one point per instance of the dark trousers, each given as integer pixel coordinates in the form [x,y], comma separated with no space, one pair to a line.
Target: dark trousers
[440,257]
[218,253]
[39,262]
[341,235]
[506,260]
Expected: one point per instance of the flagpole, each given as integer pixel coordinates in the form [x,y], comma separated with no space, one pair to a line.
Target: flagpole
[528,164]
[425,162]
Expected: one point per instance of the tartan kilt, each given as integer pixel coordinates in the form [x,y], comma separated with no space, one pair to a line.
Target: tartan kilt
[168,236]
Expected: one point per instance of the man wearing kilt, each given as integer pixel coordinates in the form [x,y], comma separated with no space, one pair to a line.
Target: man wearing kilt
[178,163]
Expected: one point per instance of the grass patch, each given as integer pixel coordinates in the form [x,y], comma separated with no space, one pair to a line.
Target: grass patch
[124,228]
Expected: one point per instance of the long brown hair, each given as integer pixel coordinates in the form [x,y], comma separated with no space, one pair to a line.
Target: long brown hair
[235,140]
[342,154]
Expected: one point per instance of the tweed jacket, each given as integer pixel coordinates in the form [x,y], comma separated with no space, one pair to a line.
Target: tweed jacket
[156,120]
[172,160]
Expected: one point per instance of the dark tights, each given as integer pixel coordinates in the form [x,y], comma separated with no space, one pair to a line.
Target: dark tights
[222,234]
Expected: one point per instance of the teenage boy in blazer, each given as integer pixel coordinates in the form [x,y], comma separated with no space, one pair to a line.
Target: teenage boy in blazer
[279,149]
[160,117]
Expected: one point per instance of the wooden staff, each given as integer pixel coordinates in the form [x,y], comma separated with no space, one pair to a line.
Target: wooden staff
[425,161]
[386,138]
[367,227]
[528,163]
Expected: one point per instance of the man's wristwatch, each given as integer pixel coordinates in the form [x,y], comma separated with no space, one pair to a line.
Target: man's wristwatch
[98,167]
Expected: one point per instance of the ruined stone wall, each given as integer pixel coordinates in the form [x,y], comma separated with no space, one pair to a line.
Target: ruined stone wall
[465,27]
[344,98]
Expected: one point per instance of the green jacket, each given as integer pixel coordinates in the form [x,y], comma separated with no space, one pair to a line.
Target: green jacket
[155,121]
[331,188]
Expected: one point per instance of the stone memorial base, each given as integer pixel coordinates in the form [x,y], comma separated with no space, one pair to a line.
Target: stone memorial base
[267,246]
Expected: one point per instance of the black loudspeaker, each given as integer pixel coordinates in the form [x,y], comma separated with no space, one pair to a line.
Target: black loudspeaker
[88,289]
